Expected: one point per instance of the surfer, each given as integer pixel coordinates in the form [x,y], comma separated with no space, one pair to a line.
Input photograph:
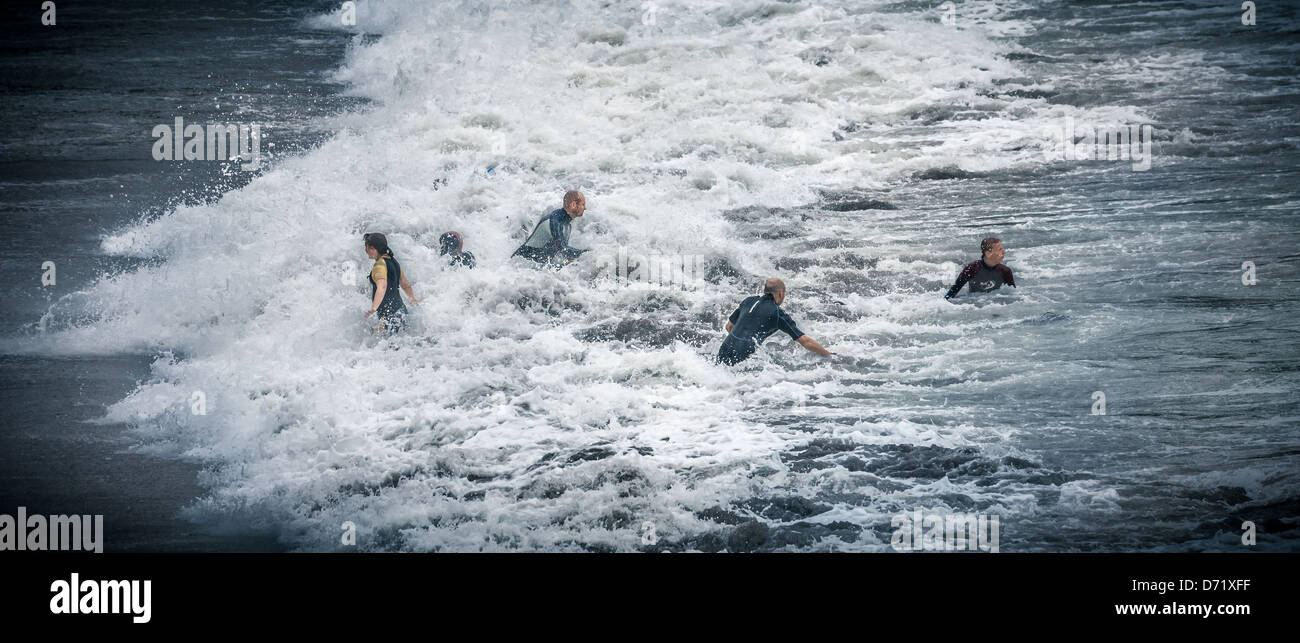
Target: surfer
[987,273]
[756,319]
[452,247]
[549,242]
[385,277]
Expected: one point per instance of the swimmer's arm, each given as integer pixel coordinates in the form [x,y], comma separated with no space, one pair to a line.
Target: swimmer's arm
[380,285]
[734,316]
[406,286]
[966,274]
[558,240]
[812,345]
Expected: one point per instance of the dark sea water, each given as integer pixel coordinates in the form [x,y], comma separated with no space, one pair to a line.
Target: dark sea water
[80,99]
[859,150]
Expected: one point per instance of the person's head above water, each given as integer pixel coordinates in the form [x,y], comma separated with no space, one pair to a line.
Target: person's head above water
[574,203]
[376,244]
[452,246]
[451,243]
[991,248]
[776,288]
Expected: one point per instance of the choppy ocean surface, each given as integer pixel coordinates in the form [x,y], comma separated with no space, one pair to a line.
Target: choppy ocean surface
[859,150]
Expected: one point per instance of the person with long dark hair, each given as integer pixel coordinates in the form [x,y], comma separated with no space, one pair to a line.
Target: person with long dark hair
[385,277]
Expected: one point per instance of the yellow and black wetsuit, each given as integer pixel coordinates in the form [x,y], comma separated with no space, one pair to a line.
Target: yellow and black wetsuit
[391,312]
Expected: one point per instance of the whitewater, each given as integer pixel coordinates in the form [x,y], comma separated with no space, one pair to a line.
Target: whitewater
[858,150]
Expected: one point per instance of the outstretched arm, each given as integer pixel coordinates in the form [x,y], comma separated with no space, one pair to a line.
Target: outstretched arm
[952,292]
[812,345]
[962,278]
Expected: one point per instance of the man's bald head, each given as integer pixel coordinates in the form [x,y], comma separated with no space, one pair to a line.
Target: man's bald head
[575,203]
[776,288]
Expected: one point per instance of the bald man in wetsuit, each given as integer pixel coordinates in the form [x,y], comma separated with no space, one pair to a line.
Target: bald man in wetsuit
[549,242]
[755,320]
[987,273]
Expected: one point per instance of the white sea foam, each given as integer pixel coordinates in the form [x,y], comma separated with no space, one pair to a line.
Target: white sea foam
[499,421]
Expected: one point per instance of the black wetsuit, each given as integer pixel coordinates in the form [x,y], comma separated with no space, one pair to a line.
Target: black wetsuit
[453,247]
[462,259]
[549,241]
[982,278]
[754,321]
[391,311]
